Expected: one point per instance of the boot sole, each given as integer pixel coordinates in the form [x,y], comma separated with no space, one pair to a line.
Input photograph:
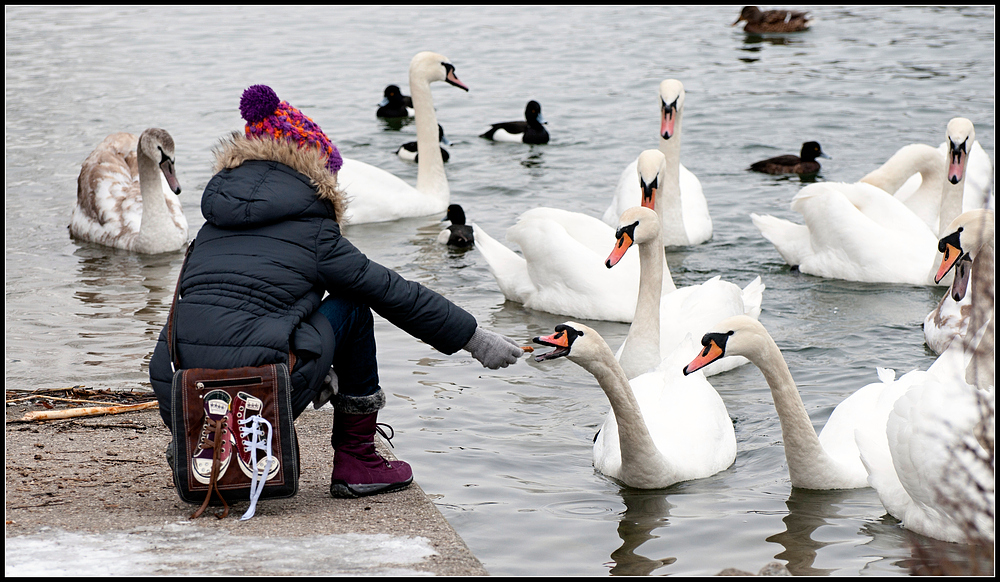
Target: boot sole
[352,491]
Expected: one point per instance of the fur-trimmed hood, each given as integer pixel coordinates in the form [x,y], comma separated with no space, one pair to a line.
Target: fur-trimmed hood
[236,149]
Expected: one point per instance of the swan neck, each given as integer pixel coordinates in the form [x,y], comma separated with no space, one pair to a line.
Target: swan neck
[915,158]
[642,346]
[803,450]
[951,203]
[636,443]
[668,199]
[150,188]
[431,178]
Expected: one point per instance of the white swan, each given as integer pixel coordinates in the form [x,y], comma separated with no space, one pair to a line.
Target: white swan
[120,198]
[830,460]
[916,174]
[562,268]
[967,311]
[941,482]
[663,427]
[926,459]
[860,232]
[690,224]
[376,195]
[661,323]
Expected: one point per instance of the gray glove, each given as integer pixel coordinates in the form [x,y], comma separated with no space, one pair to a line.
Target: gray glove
[492,349]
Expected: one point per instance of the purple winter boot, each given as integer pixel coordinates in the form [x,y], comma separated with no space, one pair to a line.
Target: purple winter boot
[358,469]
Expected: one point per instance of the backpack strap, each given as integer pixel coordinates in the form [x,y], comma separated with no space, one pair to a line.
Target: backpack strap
[175,363]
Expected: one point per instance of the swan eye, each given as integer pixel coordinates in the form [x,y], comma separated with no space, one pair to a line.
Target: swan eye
[629,230]
[953,240]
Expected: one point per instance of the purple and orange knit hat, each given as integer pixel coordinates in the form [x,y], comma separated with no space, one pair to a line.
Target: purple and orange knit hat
[266,115]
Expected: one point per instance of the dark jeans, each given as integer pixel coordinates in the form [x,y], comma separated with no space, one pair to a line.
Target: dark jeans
[354,353]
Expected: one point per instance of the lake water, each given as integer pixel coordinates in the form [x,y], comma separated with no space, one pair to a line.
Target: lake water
[506,454]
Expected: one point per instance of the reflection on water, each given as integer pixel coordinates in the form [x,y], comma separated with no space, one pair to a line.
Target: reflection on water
[807,511]
[751,41]
[124,300]
[644,512]
[107,280]
[396,124]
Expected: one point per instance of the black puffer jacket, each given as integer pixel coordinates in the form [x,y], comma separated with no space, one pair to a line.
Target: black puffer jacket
[270,248]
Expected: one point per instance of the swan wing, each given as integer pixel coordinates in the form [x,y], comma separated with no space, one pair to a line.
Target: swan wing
[687,418]
[109,204]
[697,221]
[508,268]
[939,461]
[375,195]
[568,275]
[859,233]
[694,311]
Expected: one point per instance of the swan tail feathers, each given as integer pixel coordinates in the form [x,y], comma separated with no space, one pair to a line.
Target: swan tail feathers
[886,375]
[508,268]
[753,296]
[791,240]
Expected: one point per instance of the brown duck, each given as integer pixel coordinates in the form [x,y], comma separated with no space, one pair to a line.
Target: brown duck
[761,21]
[804,163]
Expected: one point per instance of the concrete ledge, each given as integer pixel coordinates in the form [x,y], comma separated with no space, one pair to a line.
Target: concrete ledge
[94,496]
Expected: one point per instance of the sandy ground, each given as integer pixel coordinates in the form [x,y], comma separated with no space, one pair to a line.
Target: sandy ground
[104,481]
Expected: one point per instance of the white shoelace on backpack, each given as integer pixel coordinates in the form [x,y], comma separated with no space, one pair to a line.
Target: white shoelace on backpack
[254,432]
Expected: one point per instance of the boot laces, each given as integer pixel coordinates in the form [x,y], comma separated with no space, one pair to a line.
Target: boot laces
[381,431]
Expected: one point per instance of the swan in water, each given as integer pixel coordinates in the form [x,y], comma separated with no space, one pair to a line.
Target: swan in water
[663,427]
[662,322]
[860,232]
[830,460]
[916,174]
[376,195]
[120,196]
[930,461]
[934,469]
[691,224]
[932,466]
[966,312]
[561,266]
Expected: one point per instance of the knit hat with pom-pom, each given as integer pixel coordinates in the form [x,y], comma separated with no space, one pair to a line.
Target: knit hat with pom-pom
[267,116]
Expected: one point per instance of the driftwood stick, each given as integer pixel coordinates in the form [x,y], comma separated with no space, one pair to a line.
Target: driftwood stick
[88,411]
[77,400]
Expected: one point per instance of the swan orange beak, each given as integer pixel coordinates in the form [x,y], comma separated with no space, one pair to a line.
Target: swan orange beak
[951,256]
[648,194]
[624,242]
[708,355]
[559,340]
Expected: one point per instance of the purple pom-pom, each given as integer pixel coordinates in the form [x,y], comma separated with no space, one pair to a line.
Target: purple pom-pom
[334,161]
[258,102]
